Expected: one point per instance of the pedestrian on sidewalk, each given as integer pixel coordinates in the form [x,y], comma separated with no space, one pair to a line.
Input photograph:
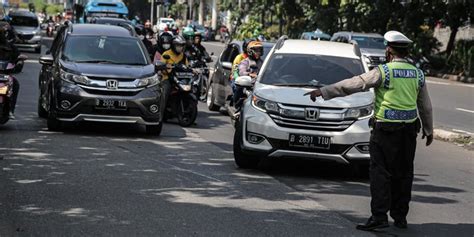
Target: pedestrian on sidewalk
[401,100]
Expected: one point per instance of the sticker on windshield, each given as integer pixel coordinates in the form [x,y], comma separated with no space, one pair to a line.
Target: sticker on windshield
[101,43]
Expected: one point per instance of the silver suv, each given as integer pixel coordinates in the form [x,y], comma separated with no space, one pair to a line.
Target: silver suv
[371,45]
[278,121]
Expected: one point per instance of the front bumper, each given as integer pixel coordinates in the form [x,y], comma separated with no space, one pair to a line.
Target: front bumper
[276,139]
[83,105]
[34,42]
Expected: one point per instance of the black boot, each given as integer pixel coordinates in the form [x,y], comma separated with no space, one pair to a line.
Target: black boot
[372,225]
[401,224]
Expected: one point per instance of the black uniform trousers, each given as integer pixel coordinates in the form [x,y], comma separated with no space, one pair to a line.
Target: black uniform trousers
[392,152]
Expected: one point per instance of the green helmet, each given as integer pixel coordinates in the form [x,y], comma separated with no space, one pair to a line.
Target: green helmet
[188,33]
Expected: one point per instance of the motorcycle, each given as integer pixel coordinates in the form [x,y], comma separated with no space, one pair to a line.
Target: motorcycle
[7,69]
[224,36]
[182,102]
[246,83]
[202,79]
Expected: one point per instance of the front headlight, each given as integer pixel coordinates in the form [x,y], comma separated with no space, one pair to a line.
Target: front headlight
[148,81]
[359,113]
[265,105]
[74,78]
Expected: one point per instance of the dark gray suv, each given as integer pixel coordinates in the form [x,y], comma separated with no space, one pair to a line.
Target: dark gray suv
[99,73]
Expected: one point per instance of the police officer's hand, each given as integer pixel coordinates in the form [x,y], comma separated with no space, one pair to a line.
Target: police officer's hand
[313,94]
[429,139]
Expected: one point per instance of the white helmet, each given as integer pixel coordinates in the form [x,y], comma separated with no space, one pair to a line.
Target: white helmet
[396,39]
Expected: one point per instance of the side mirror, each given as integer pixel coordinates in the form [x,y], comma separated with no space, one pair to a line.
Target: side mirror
[227,65]
[22,57]
[46,59]
[244,81]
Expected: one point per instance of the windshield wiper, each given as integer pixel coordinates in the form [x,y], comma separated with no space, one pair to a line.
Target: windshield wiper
[299,85]
[97,61]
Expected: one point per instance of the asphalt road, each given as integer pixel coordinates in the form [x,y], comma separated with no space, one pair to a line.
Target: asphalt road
[112,180]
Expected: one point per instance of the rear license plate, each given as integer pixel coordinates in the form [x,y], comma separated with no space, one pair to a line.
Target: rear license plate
[308,141]
[110,104]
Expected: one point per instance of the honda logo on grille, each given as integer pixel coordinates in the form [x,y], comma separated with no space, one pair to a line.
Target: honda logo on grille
[311,114]
[112,84]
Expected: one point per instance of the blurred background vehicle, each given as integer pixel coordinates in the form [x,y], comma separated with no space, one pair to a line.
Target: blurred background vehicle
[27,28]
[371,45]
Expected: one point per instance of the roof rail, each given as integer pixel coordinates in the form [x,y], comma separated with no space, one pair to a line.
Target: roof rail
[357,50]
[281,41]
[128,27]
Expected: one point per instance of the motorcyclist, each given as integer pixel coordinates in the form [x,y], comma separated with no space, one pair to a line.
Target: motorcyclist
[239,59]
[141,32]
[8,52]
[191,52]
[222,31]
[163,43]
[249,67]
[50,20]
[201,49]
[176,56]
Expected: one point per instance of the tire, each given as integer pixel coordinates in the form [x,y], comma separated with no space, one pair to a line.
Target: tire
[154,130]
[242,159]
[53,123]
[186,121]
[211,98]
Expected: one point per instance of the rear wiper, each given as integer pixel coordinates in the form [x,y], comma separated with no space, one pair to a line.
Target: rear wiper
[97,61]
[299,85]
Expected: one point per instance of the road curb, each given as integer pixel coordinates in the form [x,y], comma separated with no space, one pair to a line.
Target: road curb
[464,79]
[450,136]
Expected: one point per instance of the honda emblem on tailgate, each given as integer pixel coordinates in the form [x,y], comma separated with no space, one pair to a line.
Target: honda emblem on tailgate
[311,114]
[112,84]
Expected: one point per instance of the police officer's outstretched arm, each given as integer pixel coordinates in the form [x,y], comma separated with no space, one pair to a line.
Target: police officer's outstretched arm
[426,113]
[348,86]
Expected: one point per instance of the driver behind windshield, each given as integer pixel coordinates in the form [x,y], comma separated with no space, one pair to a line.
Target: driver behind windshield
[8,52]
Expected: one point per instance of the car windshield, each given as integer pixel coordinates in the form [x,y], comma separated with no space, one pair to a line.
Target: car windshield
[369,42]
[101,49]
[309,70]
[24,21]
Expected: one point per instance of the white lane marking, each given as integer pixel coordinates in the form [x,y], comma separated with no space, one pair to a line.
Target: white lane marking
[465,110]
[438,83]
[462,131]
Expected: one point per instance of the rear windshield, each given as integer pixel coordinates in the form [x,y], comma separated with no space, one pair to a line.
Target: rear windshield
[320,70]
[24,21]
[369,42]
[101,49]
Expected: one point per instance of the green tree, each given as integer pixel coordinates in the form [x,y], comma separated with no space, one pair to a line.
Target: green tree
[457,13]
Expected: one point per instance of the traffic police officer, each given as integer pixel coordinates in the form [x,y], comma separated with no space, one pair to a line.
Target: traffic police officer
[400,97]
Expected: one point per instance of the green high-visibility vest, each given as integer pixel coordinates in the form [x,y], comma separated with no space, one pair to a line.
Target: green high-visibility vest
[395,98]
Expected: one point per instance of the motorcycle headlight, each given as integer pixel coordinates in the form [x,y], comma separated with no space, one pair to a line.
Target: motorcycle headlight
[360,112]
[185,87]
[74,78]
[148,81]
[265,105]
[4,77]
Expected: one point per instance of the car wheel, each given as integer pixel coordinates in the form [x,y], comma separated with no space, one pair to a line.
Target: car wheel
[154,130]
[211,98]
[242,159]
[42,113]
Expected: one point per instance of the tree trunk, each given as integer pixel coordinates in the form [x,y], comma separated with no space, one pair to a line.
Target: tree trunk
[452,38]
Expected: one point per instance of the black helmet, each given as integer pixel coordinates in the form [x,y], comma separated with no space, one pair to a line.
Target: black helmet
[178,44]
[164,40]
